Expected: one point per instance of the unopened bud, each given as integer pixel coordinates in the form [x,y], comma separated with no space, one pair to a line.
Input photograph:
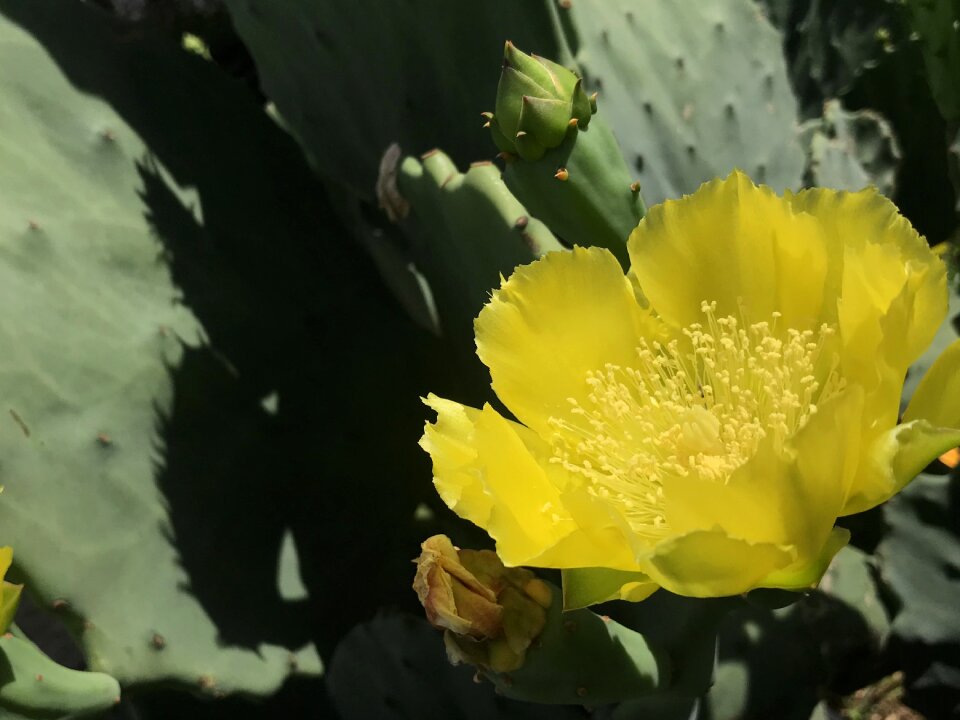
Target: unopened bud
[490,614]
[453,598]
[538,102]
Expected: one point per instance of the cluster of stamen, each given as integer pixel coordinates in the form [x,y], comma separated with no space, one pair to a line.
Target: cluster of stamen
[699,406]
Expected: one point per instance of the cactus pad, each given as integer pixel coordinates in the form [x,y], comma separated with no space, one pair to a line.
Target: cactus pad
[95,328]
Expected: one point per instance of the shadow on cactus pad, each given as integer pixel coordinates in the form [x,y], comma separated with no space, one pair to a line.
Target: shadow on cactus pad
[231,359]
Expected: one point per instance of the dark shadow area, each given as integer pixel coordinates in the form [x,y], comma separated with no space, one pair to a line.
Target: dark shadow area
[832,51]
[819,648]
[298,698]
[686,628]
[416,72]
[395,668]
[293,311]
[48,634]
[866,529]
[932,675]
[921,564]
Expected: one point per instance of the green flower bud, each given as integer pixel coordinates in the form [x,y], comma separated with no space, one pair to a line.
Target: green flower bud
[538,103]
[490,613]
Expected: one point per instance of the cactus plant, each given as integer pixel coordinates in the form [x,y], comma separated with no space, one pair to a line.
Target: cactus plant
[872,56]
[35,686]
[521,633]
[209,453]
[778,663]
[390,76]
[673,104]
[936,26]
[676,100]
[564,165]
[851,150]
[473,231]
[87,379]
[393,665]
[622,663]
[832,43]
[918,561]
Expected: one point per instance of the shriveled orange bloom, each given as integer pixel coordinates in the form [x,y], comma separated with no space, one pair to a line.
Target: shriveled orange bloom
[701,422]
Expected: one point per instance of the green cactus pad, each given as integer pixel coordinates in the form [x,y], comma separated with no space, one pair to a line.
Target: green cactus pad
[851,150]
[936,24]
[96,333]
[693,105]
[778,663]
[919,560]
[349,82]
[595,202]
[830,45]
[473,232]
[583,658]
[34,686]
[395,666]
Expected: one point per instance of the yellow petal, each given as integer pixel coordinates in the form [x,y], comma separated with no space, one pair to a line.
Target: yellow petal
[9,600]
[937,397]
[612,543]
[451,444]
[593,585]
[828,451]
[931,426]
[737,244]
[497,474]
[883,257]
[892,300]
[9,593]
[893,289]
[551,323]
[6,559]
[799,576]
[709,563]
[791,498]
[894,459]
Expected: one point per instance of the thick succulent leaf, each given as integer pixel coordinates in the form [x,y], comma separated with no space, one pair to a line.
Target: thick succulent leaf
[397,663]
[693,105]
[936,26]
[472,232]
[921,559]
[920,564]
[100,343]
[34,686]
[777,664]
[831,43]
[350,82]
[851,150]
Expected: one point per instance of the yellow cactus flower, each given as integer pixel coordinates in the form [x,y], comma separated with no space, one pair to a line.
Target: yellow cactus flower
[700,423]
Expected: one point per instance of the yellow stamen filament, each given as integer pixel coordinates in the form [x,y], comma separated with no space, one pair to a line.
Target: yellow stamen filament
[699,407]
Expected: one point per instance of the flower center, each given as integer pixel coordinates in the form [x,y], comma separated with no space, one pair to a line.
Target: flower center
[699,407]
